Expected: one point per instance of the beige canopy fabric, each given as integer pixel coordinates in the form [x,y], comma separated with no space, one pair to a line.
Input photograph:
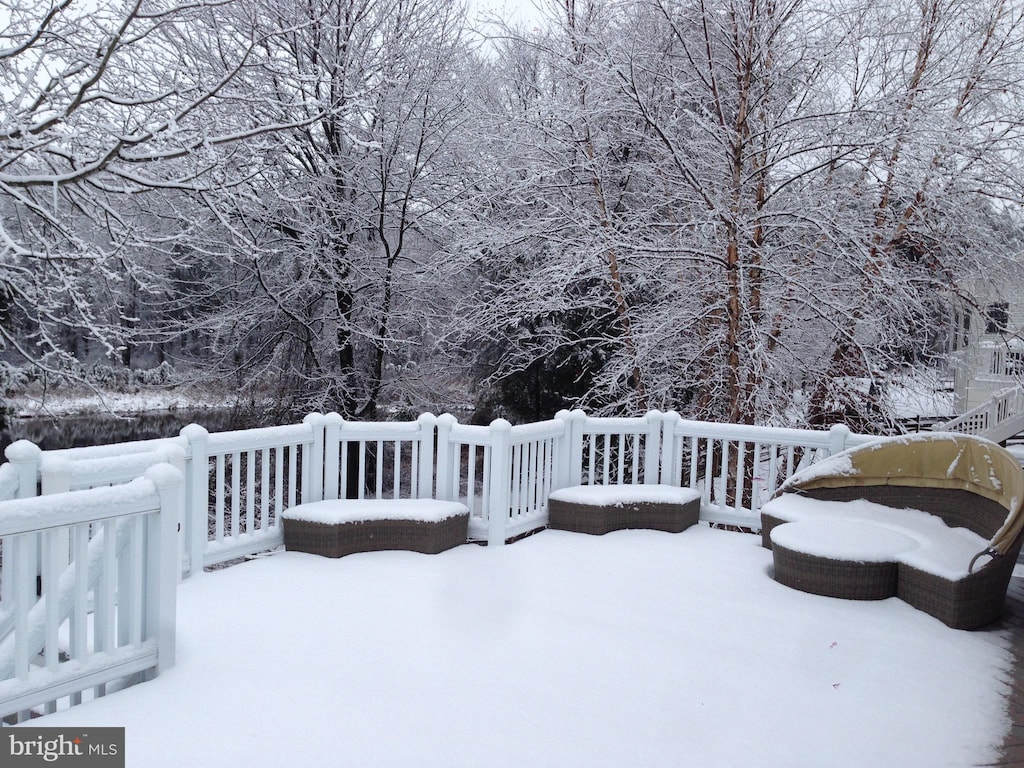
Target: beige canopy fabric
[935,460]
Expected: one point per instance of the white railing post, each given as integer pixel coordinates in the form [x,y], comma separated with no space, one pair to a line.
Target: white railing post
[563,453]
[163,566]
[576,421]
[25,457]
[332,453]
[313,466]
[657,450]
[445,491]
[425,470]
[673,475]
[837,437]
[197,506]
[501,479]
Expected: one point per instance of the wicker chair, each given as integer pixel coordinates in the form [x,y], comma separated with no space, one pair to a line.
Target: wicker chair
[967,482]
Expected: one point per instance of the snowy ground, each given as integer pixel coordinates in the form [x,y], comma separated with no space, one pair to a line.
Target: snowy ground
[637,648]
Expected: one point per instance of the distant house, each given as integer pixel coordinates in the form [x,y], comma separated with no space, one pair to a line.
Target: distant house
[987,345]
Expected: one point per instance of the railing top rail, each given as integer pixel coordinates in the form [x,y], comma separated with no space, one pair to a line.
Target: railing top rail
[116,449]
[809,438]
[470,434]
[385,430]
[476,434]
[63,509]
[539,430]
[109,469]
[264,437]
[615,424]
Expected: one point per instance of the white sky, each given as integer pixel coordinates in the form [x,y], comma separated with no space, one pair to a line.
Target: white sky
[517,11]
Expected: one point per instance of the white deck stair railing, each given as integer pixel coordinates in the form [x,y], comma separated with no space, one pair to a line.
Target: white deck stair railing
[998,419]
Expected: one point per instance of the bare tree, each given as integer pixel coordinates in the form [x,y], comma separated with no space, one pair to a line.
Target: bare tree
[103,102]
[783,197]
[326,239]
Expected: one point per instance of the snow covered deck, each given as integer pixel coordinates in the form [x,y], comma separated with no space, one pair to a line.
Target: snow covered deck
[637,648]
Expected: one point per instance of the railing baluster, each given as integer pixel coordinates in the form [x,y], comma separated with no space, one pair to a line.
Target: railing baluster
[79,624]
[362,468]
[278,483]
[250,490]
[397,470]
[741,466]
[471,480]
[232,526]
[218,510]
[293,473]
[264,489]
[379,485]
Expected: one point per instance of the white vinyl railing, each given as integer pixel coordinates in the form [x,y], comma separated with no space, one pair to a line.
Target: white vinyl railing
[737,468]
[378,459]
[90,580]
[93,565]
[503,473]
[238,483]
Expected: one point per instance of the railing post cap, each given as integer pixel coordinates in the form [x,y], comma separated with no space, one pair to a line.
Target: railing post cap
[563,414]
[447,420]
[840,429]
[333,419]
[501,425]
[164,475]
[578,413]
[194,432]
[427,418]
[653,415]
[313,419]
[22,450]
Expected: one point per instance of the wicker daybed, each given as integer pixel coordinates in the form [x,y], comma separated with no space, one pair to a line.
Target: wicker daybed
[935,519]
[600,509]
[336,528]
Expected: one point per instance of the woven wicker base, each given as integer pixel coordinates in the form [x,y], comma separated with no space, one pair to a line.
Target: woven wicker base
[848,579]
[340,539]
[967,603]
[599,520]
[767,523]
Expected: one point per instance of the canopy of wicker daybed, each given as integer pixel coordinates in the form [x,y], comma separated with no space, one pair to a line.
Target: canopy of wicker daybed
[928,460]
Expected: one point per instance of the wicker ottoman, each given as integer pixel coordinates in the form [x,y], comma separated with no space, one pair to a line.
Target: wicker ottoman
[343,527]
[599,509]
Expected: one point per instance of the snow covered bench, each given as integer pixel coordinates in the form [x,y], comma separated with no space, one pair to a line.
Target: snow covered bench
[599,509]
[933,519]
[336,528]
